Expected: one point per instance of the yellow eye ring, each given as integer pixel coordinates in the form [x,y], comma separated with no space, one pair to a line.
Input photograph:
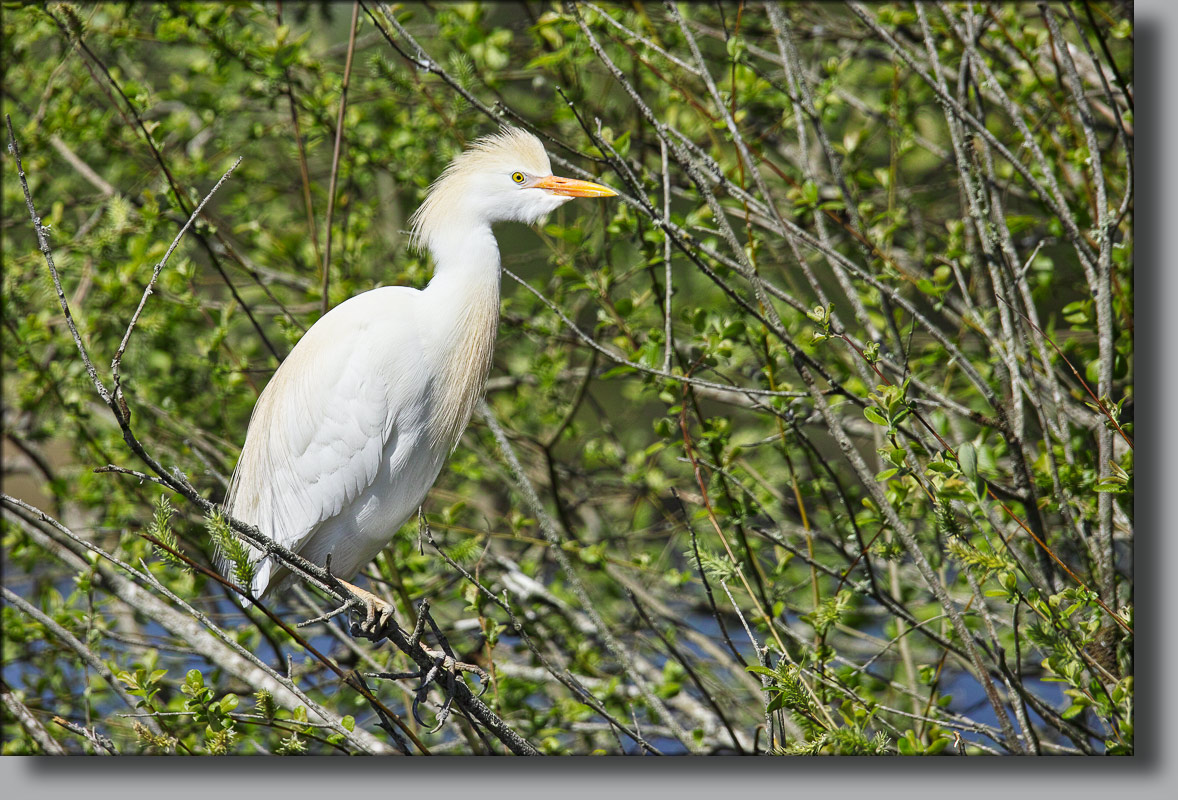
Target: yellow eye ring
[518,177]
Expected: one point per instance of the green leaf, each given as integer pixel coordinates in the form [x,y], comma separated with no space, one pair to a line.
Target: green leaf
[967,458]
[936,746]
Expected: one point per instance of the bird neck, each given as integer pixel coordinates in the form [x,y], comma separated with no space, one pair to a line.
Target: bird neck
[463,298]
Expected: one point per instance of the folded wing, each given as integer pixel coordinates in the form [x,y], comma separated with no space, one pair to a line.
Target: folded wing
[318,432]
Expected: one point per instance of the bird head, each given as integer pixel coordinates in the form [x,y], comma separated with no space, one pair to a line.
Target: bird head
[503,177]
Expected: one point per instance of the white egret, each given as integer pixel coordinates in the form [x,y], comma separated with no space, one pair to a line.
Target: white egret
[354,427]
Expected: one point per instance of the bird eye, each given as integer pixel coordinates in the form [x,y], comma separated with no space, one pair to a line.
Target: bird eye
[518,177]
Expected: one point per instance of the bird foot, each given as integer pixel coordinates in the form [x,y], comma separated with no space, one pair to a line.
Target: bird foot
[377,612]
[446,672]
[447,663]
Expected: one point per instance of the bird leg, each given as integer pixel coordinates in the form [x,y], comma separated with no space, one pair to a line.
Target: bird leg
[377,612]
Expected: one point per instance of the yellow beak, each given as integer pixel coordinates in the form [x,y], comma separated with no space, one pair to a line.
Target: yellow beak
[571,187]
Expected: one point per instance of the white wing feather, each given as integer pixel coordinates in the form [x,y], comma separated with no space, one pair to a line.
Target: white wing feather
[319,433]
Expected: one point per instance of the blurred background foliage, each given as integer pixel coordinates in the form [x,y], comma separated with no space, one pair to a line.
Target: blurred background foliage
[831,412]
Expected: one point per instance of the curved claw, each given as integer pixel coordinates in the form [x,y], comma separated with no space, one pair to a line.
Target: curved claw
[422,692]
[417,716]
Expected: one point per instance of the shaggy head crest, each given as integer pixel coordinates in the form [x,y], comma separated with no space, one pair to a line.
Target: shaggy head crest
[505,152]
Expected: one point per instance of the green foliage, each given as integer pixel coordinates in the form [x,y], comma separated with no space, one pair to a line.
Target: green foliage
[232,550]
[831,611]
[161,529]
[844,742]
[871,373]
[718,568]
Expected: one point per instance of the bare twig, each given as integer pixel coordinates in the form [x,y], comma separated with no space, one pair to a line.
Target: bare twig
[117,361]
[304,173]
[102,744]
[339,136]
